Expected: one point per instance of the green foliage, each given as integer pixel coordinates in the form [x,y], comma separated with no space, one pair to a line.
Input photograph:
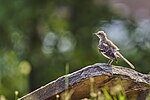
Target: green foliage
[68,93]
[107,95]
[66,78]
[114,92]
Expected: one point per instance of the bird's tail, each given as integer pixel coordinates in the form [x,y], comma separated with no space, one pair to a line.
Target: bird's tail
[120,55]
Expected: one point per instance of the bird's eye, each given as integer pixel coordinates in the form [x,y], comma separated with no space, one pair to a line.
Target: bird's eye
[99,33]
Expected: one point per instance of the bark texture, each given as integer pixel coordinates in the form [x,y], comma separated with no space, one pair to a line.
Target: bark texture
[136,85]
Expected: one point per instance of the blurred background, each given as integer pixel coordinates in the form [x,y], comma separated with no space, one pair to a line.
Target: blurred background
[39,37]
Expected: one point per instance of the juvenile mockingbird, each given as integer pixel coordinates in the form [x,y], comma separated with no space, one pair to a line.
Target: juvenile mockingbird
[108,49]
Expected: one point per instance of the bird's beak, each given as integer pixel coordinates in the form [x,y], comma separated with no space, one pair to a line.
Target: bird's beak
[94,33]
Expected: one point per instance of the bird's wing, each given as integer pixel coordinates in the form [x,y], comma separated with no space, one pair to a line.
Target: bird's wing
[110,43]
[104,47]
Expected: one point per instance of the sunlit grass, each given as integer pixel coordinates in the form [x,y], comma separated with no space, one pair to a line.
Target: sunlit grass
[115,92]
[16,95]
[57,97]
[68,93]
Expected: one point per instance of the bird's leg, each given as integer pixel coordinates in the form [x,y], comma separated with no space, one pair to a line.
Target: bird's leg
[109,62]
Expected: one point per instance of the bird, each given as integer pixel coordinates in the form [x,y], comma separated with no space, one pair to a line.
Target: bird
[109,50]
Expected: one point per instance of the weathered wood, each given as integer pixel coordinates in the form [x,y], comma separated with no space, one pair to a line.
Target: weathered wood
[134,83]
